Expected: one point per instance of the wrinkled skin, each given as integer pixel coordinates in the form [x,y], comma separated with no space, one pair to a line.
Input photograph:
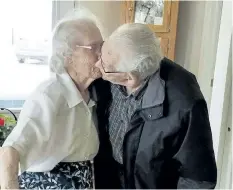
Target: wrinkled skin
[108,63]
[9,162]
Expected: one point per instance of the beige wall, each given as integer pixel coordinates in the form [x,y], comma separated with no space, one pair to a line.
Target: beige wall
[189,33]
[197,37]
[109,13]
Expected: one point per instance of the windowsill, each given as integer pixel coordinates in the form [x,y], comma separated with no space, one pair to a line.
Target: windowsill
[14,110]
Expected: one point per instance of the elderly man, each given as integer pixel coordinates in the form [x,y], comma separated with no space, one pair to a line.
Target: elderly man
[157,119]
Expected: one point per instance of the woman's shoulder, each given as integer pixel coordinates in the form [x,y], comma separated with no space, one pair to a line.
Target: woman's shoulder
[49,86]
[49,89]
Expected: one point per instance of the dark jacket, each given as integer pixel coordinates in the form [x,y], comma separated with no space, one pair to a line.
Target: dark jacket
[168,143]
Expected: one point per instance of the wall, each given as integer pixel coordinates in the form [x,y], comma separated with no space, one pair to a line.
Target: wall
[109,13]
[189,33]
[197,36]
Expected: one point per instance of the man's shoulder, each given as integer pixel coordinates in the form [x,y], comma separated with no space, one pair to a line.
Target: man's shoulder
[181,85]
[169,70]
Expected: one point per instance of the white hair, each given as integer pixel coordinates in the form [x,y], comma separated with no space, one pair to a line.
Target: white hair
[67,34]
[139,49]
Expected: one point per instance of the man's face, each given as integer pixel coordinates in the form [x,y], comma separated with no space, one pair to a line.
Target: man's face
[108,59]
[107,64]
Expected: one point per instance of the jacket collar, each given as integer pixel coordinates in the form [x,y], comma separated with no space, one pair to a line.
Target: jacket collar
[153,99]
[155,92]
[69,90]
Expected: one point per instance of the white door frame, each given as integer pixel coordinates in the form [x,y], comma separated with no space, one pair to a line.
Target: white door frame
[220,92]
[219,85]
[225,144]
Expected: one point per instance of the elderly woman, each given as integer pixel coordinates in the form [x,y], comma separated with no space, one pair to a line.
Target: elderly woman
[55,139]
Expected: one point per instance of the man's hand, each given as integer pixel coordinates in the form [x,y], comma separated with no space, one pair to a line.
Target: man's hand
[9,162]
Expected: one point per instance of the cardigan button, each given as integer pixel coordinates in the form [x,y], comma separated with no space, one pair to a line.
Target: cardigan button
[149,116]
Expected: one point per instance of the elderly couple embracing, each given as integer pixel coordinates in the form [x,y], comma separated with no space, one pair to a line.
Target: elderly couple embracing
[115,114]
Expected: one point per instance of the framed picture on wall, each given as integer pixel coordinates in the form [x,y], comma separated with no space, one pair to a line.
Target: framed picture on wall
[156,13]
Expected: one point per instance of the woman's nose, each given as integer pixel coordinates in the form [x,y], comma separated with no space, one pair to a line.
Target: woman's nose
[97,64]
[98,53]
[99,56]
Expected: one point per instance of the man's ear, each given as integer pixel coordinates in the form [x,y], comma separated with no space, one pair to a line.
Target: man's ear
[134,79]
[133,76]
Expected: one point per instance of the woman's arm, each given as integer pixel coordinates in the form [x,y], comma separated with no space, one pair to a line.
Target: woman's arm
[9,167]
[29,141]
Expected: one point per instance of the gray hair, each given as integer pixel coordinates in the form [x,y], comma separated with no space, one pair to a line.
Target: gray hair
[139,49]
[66,35]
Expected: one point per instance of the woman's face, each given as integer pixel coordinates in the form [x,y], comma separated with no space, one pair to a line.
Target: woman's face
[83,58]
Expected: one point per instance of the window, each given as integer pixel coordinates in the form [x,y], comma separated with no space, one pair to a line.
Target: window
[24,42]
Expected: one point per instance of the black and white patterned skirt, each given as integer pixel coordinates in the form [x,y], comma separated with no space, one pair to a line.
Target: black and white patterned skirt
[66,175]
